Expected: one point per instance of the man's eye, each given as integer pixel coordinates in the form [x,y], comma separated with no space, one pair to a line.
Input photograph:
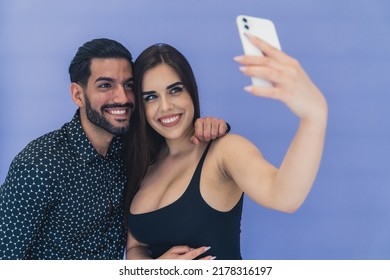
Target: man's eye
[105,85]
[177,89]
[129,86]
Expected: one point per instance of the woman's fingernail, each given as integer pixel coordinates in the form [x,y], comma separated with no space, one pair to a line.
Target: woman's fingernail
[250,36]
[243,68]
[238,58]
[248,88]
[207,248]
[213,258]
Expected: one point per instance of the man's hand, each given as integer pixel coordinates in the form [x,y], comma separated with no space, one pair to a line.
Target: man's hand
[208,128]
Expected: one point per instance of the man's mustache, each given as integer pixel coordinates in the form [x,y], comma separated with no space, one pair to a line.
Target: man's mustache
[130,106]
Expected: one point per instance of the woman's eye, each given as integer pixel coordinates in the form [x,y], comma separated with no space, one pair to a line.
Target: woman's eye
[149,97]
[177,89]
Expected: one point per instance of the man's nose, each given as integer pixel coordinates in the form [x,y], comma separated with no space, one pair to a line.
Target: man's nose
[123,96]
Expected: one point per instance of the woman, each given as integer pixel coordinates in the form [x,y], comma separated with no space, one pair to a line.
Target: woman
[189,202]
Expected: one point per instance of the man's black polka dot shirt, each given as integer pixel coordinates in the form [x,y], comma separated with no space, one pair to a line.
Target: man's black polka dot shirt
[62,200]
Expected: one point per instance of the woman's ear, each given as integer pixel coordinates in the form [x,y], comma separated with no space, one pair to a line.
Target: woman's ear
[77,94]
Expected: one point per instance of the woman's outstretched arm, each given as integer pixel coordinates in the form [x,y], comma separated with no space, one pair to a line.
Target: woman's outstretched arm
[285,188]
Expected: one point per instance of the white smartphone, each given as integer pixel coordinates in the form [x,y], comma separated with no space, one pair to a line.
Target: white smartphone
[259,27]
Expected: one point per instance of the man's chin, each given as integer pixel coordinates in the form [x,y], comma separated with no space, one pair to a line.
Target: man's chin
[114,127]
[119,131]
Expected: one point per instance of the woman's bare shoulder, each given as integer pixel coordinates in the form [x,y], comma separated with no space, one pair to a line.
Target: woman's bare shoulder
[232,140]
[234,145]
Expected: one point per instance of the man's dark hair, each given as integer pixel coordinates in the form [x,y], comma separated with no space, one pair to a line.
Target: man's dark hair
[80,67]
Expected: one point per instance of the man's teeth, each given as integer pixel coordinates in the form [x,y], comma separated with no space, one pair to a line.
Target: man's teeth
[170,120]
[118,112]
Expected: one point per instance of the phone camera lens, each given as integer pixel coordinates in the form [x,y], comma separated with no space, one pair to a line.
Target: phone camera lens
[244,20]
[246,27]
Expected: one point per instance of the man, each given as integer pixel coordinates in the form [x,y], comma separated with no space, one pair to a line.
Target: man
[62,198]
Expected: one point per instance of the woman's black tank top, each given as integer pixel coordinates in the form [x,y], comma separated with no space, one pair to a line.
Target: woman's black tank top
[190,221]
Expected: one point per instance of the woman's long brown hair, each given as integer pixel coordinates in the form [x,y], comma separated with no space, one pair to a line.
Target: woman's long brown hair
[143,143]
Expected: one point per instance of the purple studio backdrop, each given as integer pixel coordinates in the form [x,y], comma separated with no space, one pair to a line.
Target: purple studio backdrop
[343,45]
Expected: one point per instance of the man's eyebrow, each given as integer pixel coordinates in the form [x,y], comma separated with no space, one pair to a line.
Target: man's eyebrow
[106,79]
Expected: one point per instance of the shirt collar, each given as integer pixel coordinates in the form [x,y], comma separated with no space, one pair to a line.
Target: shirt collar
[83,148]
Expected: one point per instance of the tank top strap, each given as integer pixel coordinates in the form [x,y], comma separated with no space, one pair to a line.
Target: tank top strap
[195,181]
[201,161]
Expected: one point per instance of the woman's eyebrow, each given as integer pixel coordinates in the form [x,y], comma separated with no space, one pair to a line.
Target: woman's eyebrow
[174,84]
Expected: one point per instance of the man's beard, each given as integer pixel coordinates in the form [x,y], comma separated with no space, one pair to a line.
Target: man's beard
[100,120]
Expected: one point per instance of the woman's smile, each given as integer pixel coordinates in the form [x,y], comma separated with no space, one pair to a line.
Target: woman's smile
[170,120]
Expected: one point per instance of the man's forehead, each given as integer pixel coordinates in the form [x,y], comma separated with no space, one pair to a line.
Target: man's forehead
[111,67]
[99,62]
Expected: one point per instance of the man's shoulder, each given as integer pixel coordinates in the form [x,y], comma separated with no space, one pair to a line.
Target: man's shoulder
[51,146]
[41,156]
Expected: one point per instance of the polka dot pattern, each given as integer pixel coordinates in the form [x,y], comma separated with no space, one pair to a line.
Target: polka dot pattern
[62,200]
